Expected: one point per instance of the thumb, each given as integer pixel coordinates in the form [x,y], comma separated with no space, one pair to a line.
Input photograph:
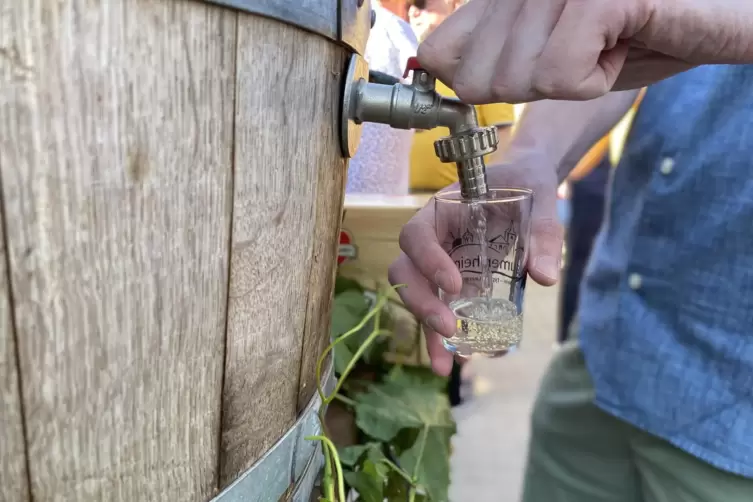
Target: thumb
[546,238]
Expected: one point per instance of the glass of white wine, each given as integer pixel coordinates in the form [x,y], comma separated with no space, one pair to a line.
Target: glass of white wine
[488,240]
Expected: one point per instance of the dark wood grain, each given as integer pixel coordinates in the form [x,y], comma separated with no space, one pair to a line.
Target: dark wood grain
[116,161]
[14,479]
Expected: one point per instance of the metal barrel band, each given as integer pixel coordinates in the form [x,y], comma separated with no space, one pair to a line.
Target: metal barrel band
[292,461]
[343,21]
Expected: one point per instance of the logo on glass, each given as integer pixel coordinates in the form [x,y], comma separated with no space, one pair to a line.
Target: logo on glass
[464,249]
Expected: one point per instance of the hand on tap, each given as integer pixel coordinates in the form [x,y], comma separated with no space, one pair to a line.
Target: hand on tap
[526,50]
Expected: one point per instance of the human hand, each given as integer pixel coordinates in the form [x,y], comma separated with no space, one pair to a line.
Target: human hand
[424,265]
[525,50]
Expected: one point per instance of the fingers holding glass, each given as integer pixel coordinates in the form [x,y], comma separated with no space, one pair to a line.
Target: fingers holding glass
[419,240]
[441,360]
[419,297]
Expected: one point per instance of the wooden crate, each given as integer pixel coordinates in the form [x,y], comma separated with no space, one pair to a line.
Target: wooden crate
[370,231]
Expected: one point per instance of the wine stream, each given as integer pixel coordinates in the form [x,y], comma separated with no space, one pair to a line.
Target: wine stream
[478,222]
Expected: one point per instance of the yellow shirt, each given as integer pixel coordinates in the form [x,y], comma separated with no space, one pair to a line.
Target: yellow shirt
[610,144]
[426,171]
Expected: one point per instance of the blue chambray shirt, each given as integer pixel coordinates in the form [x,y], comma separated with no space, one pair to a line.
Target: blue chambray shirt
[666,318]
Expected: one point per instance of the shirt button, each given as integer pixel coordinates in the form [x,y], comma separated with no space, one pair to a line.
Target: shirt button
[635,281]
[667,166]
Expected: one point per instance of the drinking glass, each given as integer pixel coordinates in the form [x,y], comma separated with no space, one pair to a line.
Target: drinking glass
[494,231]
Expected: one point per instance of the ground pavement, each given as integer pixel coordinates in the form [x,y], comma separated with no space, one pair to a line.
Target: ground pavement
[490,447]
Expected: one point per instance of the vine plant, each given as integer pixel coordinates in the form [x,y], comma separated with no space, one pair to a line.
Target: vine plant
[403,417]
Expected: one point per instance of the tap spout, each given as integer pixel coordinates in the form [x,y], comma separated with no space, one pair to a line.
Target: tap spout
[404,106]
[457,116]
[418,106]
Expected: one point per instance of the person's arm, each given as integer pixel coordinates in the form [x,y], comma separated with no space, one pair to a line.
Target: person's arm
[562,132]
[504,133]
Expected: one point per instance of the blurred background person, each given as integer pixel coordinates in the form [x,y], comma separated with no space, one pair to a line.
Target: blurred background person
[381,163]
[426,15]
[585,198]
[587,186]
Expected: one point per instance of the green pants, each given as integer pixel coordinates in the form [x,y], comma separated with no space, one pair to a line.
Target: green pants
[579,453]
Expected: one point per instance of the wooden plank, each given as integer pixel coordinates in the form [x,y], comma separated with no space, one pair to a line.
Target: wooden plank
[330,190]
[378,217]
[115,155]
[287,80]
[14,480]
[374,222]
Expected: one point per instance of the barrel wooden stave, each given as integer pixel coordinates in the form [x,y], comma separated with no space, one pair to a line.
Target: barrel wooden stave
[288,189]
[328,210]
[13,475]
[116,184]
[172,186]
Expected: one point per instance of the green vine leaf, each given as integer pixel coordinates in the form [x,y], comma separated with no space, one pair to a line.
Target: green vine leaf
[343,284]
[352,455]
[343,356]
[406,413]
[397,487]
[417,377]
[349,309]
[430,462]
[368,482]
[412,399]
[398,404]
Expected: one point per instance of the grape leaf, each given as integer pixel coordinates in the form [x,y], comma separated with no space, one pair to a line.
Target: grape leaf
[397,487]
[398,404]
[410,399]
[343,356]
[350,456]
[433,473]
[343,284]
[417,377]
[348,310]
[368,482]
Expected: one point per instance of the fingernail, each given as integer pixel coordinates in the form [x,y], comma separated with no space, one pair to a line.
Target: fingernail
[434,323]
[548,266]
[444,281]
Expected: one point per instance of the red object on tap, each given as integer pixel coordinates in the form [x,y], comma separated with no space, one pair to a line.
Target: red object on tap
[346,249]
[412,65]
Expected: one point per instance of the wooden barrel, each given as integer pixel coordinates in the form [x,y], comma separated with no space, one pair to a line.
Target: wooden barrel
[171,191]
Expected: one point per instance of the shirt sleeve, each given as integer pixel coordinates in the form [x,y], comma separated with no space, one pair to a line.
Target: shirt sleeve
[495,114]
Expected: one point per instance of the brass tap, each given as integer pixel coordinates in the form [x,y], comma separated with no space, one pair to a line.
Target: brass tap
[419,106]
